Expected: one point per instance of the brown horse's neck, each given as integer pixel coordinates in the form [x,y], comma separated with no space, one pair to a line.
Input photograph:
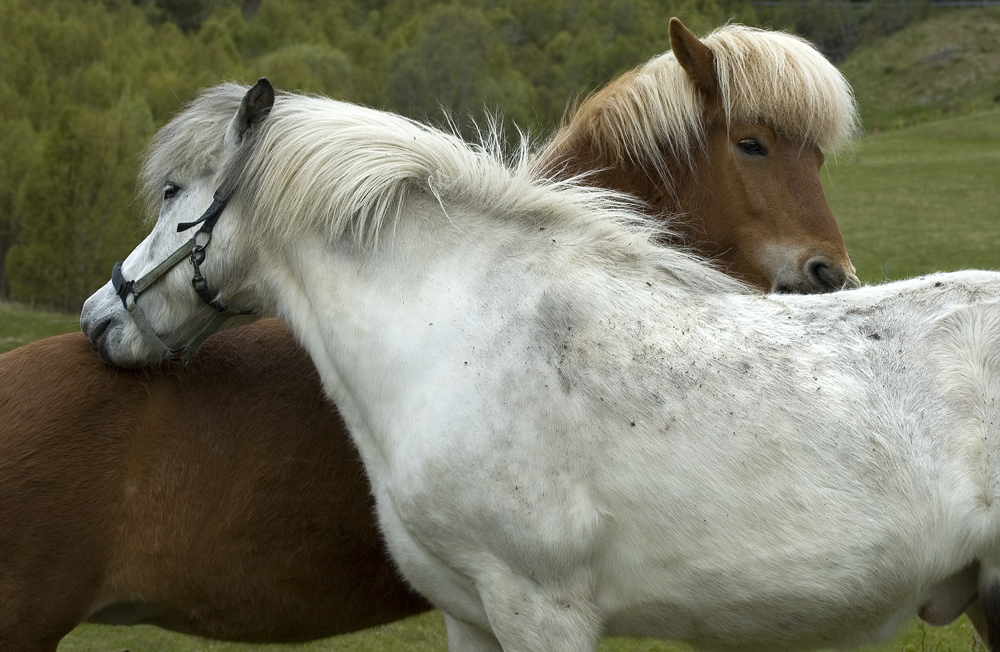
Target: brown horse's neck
[573,156]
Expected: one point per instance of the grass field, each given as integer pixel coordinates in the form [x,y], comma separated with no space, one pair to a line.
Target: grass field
[909,201]
[20,325]
[921,199]
[426,634]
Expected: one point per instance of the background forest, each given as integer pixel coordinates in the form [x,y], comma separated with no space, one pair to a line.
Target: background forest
[85,84]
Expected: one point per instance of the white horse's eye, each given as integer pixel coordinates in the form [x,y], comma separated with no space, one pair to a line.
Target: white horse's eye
[170,190]
[752,147]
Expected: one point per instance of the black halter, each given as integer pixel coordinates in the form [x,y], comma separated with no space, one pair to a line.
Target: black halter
[195,253]
[207,221]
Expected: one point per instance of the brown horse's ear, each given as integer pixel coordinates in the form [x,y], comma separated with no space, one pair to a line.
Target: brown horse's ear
[695,58]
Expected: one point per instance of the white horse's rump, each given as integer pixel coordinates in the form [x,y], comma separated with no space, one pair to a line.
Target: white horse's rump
[572,433]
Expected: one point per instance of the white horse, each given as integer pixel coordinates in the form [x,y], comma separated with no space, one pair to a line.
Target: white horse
[571,432]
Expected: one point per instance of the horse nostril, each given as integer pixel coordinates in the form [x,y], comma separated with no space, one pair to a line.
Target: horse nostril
[820,272]
[94,334]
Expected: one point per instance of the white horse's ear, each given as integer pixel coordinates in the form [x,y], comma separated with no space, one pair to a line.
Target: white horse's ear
[695,58]
[254,108]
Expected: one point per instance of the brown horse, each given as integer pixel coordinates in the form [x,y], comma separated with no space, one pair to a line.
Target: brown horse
[222,498]
[724,138]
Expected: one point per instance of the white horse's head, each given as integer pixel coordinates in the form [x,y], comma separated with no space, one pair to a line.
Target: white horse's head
[184,269]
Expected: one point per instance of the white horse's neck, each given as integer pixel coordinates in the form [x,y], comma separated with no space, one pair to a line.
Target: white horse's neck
[388,326]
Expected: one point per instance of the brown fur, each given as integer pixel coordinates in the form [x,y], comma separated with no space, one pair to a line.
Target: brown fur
[223,499]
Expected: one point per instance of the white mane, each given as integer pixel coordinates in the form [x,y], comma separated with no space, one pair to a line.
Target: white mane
[322,164]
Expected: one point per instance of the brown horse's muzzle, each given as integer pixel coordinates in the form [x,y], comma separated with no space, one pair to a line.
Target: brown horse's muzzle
[818,275]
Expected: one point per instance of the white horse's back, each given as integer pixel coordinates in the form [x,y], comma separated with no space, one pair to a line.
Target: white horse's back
[796,473]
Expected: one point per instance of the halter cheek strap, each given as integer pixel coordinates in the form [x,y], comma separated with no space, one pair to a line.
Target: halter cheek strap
[129,291]
[207,221]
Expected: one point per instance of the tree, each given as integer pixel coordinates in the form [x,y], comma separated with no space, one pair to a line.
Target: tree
[186,14]
[76,208]
[456,61]
[315,68]
[19,145]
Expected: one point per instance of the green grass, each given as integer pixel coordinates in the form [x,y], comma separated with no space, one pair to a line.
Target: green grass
[417,634]
[20,325]
[921,199]
[425,633]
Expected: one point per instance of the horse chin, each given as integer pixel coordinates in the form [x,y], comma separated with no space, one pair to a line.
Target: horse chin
[117,349]
[112,333]
[852,282]
[796,287]
[109,357]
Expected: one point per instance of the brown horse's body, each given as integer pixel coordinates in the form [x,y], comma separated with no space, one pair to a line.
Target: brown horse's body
[223,498]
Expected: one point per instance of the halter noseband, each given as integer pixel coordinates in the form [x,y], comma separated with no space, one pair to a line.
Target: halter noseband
[195,253]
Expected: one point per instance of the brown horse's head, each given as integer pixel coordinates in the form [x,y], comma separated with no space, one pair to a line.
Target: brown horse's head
[724,138]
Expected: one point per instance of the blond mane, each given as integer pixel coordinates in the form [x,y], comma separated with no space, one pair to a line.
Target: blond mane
[763,75]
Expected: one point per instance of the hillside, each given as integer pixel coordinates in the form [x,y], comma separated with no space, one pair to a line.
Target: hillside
[948,64]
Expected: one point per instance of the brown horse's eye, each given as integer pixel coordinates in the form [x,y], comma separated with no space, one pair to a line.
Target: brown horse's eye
[751,147]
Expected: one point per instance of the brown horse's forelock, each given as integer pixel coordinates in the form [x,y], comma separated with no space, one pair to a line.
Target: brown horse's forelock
[783,80]
[764,76]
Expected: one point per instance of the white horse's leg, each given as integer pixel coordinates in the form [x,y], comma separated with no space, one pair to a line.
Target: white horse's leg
[465,637]
[978,620]
[526,617]
[987,621]
[985,614]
